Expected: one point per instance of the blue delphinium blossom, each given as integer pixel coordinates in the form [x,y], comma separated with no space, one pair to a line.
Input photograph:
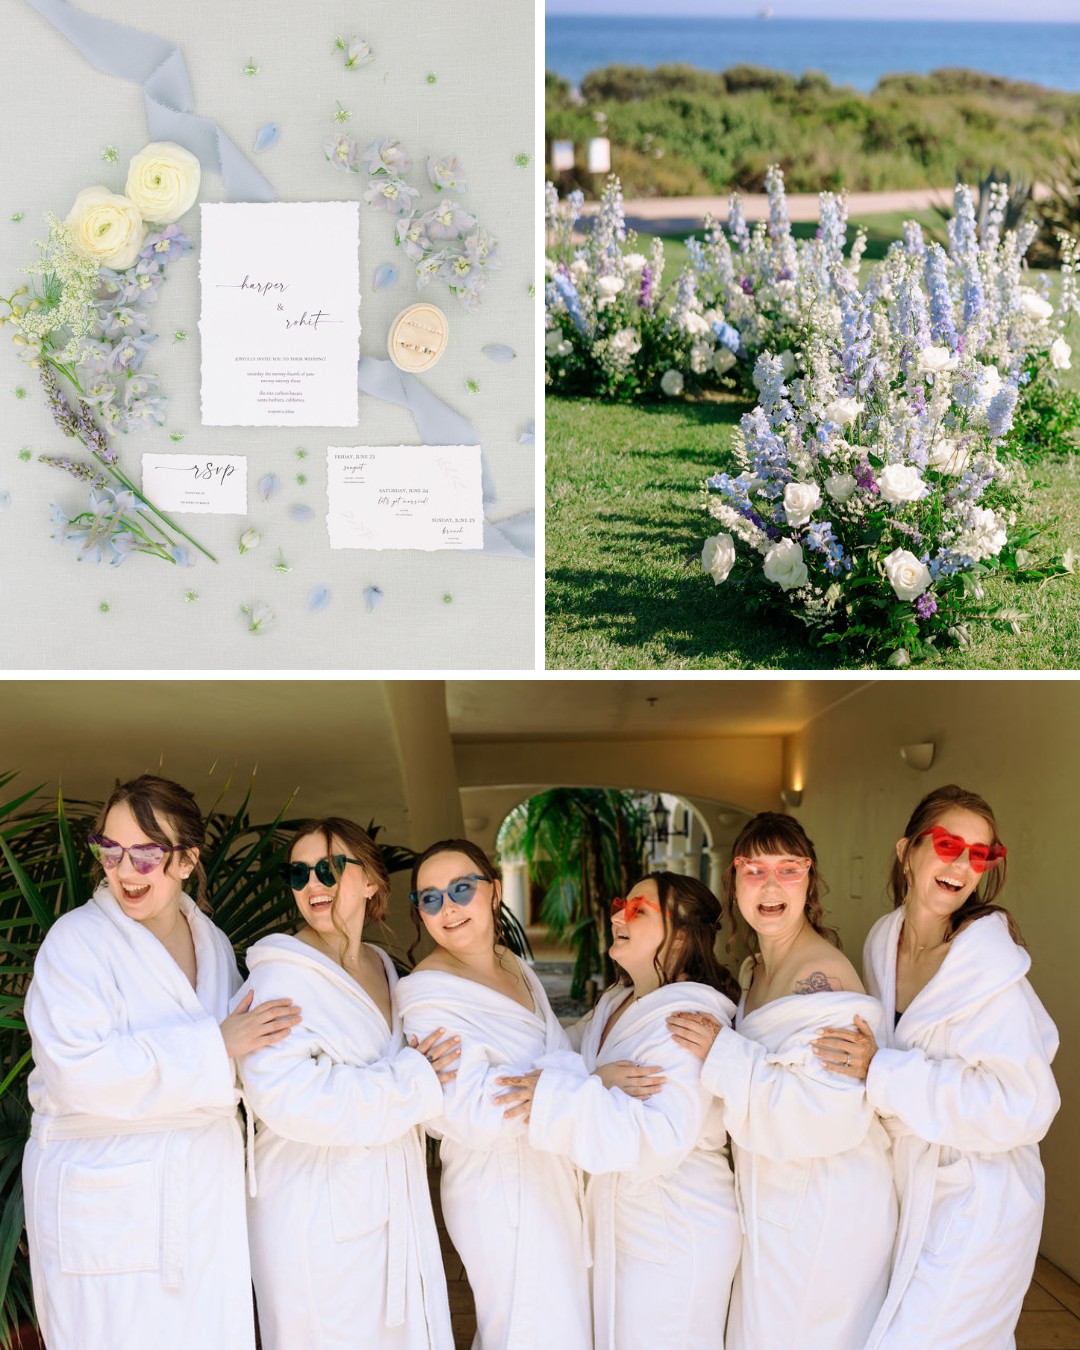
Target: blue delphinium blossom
[696,251]
[736,224]
[726,335]
[854,330]
[999,414]
[914,243]
[783,245]
[942,327]
[567,292]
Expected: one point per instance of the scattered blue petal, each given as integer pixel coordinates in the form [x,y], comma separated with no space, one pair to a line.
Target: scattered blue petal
[498,351]
[385,277]
[528,436]
[374,598]
[301,513]
[269,486]
[318,599]
[266,137]
[5,501]
[181,556]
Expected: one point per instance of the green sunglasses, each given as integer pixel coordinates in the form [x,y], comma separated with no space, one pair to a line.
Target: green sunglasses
[327,870]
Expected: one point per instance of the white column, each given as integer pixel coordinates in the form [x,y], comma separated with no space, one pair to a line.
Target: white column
[515,889]
[717,865]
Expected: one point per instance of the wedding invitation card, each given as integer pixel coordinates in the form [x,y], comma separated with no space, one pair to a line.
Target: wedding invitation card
[280,325]
[196,482]
[405,496]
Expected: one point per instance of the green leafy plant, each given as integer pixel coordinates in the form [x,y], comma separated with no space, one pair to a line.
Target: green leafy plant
[586,845]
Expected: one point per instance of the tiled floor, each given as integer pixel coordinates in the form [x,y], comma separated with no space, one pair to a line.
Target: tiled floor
[1050,1320]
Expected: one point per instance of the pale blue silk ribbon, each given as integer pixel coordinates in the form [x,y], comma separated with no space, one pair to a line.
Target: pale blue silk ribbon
[157,64]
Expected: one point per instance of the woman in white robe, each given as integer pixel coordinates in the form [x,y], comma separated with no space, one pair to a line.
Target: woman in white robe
[962,1078]
[134,1172]
[660,1195]
[513,1213]
[811,1158]
[344,1250]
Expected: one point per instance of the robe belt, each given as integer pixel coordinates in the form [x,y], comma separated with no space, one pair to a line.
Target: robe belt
[397,1233]
[45,1129]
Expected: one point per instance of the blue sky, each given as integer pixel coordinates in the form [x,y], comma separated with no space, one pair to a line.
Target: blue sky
[1025,11]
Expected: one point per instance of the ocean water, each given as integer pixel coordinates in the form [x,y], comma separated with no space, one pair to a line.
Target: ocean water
[849,52]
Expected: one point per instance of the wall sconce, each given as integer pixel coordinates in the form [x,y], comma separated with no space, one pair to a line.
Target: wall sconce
[919,756]
[791,797]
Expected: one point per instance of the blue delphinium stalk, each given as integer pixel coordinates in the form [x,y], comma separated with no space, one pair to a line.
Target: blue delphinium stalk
[736,224]
[914,243]
[766,453]
[963,236]
[783,245]
[769,381]
[855,331]
[999,414]
[942,327]
[567,292]
[684,302]
[696,251]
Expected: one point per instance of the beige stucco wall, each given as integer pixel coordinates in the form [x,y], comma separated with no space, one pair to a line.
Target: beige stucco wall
[1018,744]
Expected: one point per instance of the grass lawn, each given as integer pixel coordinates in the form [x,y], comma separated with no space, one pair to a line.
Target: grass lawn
[625,590]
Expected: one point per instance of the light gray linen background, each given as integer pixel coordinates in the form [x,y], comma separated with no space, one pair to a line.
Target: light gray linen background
[58,114]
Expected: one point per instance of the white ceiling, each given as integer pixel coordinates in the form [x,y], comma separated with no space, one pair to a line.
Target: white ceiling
[600,709]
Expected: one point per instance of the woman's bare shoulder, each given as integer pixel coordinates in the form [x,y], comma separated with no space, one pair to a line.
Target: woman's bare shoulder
[825,970]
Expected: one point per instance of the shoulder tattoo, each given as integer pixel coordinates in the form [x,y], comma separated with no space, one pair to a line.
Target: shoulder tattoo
[817,983]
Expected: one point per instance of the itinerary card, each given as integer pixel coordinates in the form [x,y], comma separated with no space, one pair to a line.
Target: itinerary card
[405,496]
[196,482]
[280,323]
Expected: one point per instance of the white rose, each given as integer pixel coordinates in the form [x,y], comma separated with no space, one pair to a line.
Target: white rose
[610,285]
[672,383]
[801,500]
[552,338]
[106,227]
[635,262]
[843,411]
[901,483]
[564,348]
[933,360]
[723,361]
[718,557]
[984,536]
[626,340]
[696,325]
[1060,352]
[989,384]
[948,457]
[840,486]
[700,357]
[784,565]
[1034,305]
[579,270]
[787,363]
[163,181]
[907,575]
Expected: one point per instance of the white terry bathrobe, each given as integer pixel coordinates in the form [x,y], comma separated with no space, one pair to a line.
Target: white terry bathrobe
[344,1250]
[134,1171]
[965,1086]
[660,1194]
[514,1214]
[814,1178]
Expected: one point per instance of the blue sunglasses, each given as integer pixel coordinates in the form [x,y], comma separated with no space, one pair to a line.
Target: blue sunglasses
[461,891]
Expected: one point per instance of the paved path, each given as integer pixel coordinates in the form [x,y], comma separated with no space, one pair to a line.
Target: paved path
[676,215]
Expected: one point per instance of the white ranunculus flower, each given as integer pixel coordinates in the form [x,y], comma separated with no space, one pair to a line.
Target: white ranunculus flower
[1060,352]
[723,360]
[610,285]
[907,575]
[843,411]
[901,483]
[784,565]
[106,227]
[801,500]
[718,557]
[1033,305]
[163,181]
[933,360]
[635,262]
[948,457]
[840,486]
[672,383]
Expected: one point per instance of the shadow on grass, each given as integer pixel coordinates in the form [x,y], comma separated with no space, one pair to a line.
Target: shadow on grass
[680,619]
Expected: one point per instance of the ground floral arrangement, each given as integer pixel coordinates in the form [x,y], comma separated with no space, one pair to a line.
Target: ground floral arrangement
[882,474]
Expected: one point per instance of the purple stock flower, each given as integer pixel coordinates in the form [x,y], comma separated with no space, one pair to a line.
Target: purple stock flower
[645,299]
[925,605]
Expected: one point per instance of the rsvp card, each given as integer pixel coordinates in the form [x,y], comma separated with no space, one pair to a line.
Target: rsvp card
[196,482]
[405,496]
[280,323]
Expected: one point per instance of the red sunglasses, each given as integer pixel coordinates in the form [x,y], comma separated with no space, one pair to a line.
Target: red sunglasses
[630,909]
[949,847]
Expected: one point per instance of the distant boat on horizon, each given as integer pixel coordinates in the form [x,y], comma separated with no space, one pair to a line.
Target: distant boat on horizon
[765,12]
